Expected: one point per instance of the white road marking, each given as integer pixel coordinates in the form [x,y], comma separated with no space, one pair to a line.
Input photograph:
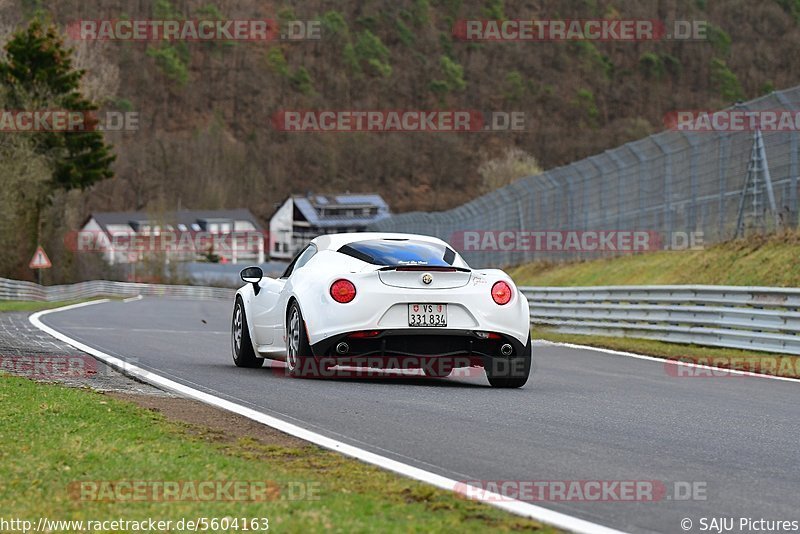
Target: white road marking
[133,299]
[160,331]
[522,508]
[666,361]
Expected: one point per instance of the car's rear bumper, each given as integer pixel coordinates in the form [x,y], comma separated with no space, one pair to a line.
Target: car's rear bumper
[467,347]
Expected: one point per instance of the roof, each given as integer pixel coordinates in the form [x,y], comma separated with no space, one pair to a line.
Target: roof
[310,206]
[187,217]
[336,241]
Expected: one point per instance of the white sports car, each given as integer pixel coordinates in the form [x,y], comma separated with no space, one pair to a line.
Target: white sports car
[387,301]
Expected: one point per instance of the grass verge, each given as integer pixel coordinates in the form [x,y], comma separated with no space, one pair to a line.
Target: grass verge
[52,437]
[752,361]
[756,261]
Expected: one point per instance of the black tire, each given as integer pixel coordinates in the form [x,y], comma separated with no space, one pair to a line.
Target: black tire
[242,347]
[298,350]
[510,372]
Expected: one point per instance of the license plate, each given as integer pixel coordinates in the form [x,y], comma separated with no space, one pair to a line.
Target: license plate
[427,315]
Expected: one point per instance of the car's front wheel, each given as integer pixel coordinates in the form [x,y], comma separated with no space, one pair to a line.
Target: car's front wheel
[298,350]
[243,353]
[510,372]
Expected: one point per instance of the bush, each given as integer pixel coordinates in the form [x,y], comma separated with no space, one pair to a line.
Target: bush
[371,51]
[172,60]
[453,77]
[514,164]
[301,81]
[725,81]
[515,84]
[277,61]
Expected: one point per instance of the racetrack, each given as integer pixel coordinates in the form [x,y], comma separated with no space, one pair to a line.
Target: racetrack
[585,415]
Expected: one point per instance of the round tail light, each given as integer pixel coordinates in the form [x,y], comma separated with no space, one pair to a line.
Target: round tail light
[343,291]
[501,293]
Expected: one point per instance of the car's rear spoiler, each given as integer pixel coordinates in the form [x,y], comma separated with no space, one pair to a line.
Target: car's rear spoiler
[427,268]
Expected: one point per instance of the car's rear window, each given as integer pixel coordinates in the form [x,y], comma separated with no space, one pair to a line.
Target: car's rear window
[397,252]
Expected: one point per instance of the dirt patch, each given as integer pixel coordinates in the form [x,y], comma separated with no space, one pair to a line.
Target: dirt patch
[221,425]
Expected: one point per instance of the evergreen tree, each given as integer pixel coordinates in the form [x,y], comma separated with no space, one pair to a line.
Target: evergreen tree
[38,75]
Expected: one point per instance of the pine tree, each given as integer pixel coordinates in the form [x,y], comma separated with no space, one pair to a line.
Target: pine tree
[38,75]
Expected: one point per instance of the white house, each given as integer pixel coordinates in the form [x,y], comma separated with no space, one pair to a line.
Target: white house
[301,218]
[233,236]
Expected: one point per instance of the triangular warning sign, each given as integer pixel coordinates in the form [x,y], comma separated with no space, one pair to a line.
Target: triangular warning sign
[40,260]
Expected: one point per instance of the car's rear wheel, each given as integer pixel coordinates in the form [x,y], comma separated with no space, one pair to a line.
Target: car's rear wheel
[298,349]
[242,347]
[510,372]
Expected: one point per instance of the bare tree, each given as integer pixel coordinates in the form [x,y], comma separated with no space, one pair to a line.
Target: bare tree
[514,164]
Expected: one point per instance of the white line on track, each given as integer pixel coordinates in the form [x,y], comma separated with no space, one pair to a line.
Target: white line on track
[157,330]
[133,299]
[668,361]
[525,509]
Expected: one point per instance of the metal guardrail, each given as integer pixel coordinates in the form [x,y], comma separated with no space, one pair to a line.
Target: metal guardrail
[18,290]
[750,318]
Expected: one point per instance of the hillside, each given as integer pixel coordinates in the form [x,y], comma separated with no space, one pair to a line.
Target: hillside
[205,138]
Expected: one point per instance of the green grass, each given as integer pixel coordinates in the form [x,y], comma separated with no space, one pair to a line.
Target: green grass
[31,305]
[758,261]
[51,436]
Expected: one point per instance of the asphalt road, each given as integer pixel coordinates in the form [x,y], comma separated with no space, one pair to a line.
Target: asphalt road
[585,415]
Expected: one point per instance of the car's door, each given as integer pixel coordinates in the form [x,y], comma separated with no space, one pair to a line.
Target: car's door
[278,296]
[262,310]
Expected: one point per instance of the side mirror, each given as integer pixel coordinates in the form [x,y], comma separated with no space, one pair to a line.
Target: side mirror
[252,275]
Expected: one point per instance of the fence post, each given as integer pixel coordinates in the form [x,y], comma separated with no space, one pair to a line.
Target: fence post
[639,197]
[692,216]
[618,164]
[724,154]
[667,210]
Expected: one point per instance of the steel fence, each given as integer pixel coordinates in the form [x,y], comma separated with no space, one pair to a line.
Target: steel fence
[669,182]
[750,318]
[19,290]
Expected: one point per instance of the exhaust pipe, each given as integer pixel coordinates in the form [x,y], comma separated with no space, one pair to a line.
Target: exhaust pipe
[342,348]
[506,349]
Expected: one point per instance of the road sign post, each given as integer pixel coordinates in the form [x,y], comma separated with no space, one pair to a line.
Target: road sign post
[38,262]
